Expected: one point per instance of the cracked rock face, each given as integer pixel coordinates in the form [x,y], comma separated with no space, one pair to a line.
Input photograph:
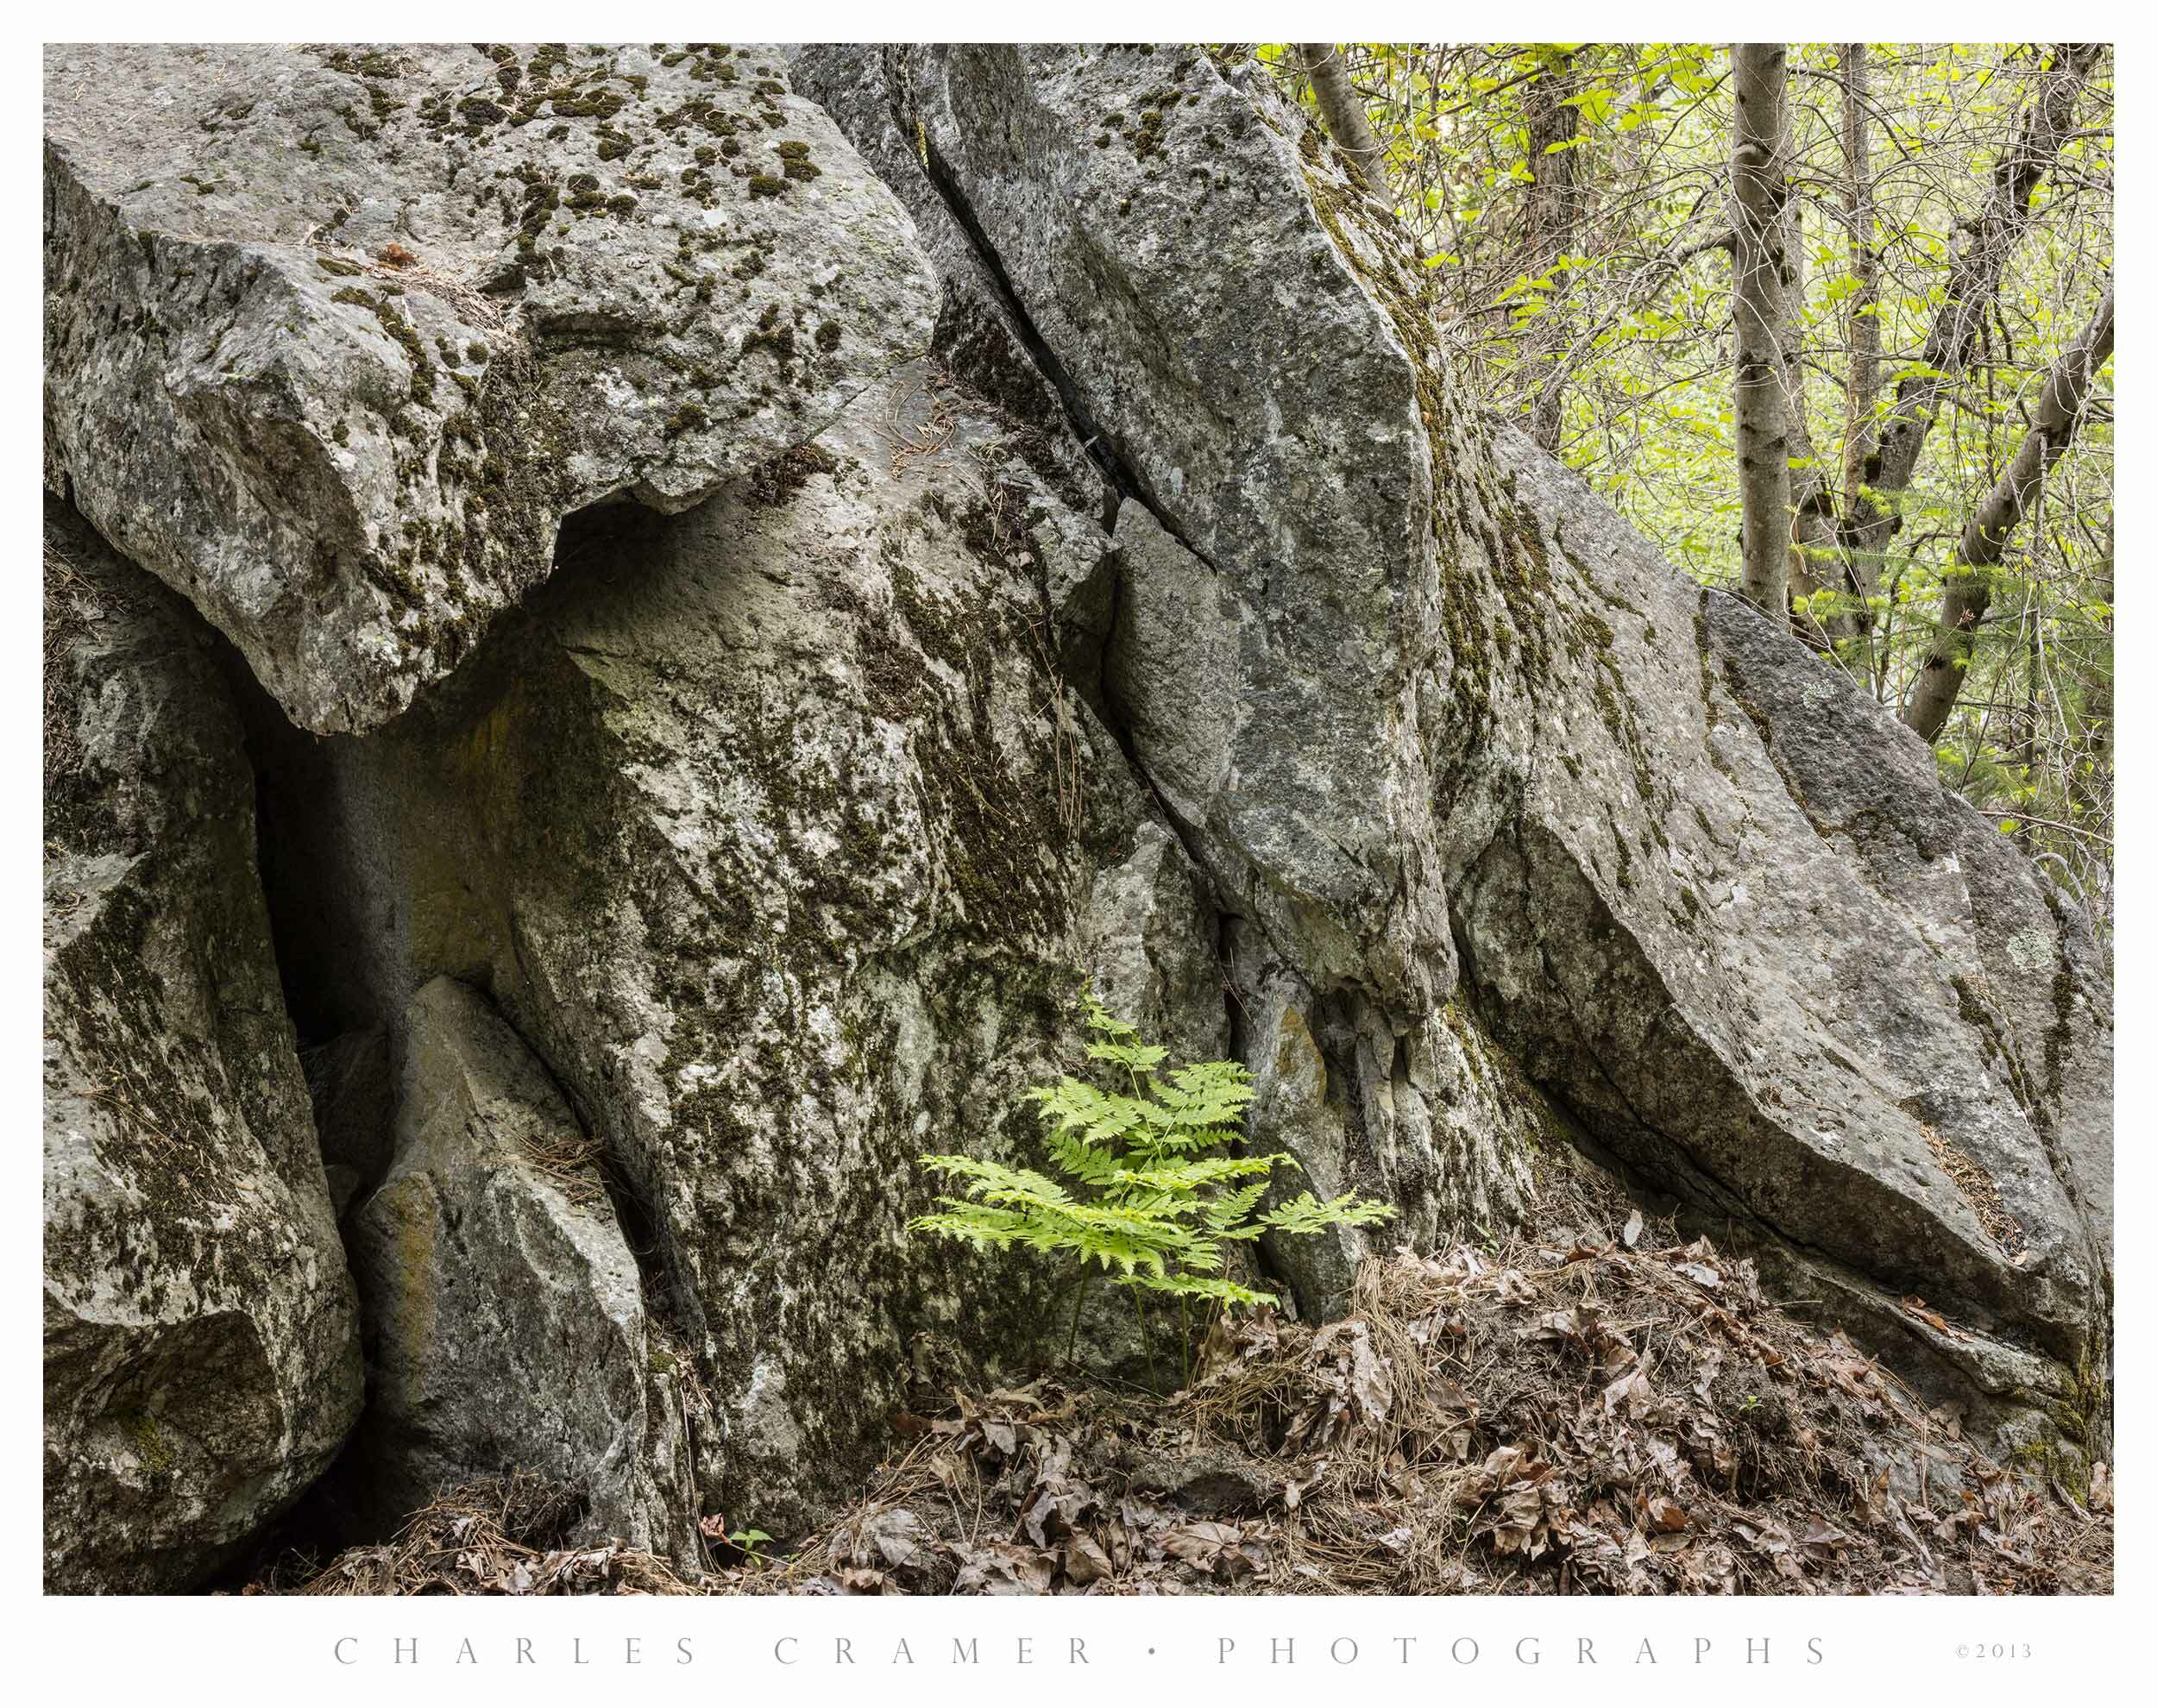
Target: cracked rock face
[1446,736]
[202,1361]
[1162,612]
[505,1322]
[773,831]
[335,336]
[1276,661]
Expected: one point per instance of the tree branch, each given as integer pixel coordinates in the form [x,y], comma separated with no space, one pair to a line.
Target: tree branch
[1973,281]
[2060,408]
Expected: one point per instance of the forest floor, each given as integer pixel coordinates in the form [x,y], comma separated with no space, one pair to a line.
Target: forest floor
[1609,1411]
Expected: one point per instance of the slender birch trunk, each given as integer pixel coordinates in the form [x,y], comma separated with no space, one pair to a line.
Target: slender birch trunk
[1342,109]
[1552,217]
[1759,198]
[1860,439]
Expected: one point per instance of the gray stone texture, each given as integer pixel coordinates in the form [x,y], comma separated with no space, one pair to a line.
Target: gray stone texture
[1126,589]
[202,1361]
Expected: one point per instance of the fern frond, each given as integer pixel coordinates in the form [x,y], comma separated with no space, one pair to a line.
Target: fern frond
[1151,1189]
[1139,1058]
[1191,1176]
[1207,1287]
[1306,1215]
[1089,1165]
[993,1183]
[1231,1210]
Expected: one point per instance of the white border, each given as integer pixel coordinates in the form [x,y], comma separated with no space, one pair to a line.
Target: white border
[160,1650]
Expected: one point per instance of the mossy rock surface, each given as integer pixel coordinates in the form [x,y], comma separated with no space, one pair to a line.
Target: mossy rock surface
[202,1361]
[1449,737]
[776,831]
[337,364]
[1003,545]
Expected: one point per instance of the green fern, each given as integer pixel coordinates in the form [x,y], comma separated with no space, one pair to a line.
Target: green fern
[1151,1192]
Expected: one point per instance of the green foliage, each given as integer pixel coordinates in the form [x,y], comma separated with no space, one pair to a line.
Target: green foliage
[1602,310]
[1149,1190]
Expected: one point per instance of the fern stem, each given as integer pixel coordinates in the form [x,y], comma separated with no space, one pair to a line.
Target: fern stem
[1146,1338]
[1077,1298]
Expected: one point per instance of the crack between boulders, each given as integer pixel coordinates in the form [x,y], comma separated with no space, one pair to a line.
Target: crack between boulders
[1124,482]
[627,1198]
[1117,722]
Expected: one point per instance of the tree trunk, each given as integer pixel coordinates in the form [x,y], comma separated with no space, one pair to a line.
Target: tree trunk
[1973,281]
[1969,588]
[1759,197]
[1859,439]
[1551,218]
[1342,109]
[2090,778]
[1815,549]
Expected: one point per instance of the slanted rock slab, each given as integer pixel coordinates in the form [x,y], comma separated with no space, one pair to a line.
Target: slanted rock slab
[506,1326]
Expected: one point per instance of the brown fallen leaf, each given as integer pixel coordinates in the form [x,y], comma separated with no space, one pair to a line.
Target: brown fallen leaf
[1919,1309]
[1202,1543]
[1085,1562]
[1665,1514]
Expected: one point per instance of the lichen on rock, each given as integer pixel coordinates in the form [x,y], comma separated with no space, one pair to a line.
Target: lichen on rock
[741,608]
[1438,729]
[776,833]
[335,337]
[202,1358]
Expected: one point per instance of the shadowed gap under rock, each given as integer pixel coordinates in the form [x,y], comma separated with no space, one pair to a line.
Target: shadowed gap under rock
[330,874]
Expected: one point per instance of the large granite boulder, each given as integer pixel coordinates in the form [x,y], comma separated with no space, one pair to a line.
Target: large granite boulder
[1274,625]
[784,833]
[336,335]
[504,1317]
[1445,734]
[775,833]
[202,1361]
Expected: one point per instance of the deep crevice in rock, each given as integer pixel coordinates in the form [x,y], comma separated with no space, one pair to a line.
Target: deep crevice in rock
[332,877]
[1123,484]
[1099,441]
